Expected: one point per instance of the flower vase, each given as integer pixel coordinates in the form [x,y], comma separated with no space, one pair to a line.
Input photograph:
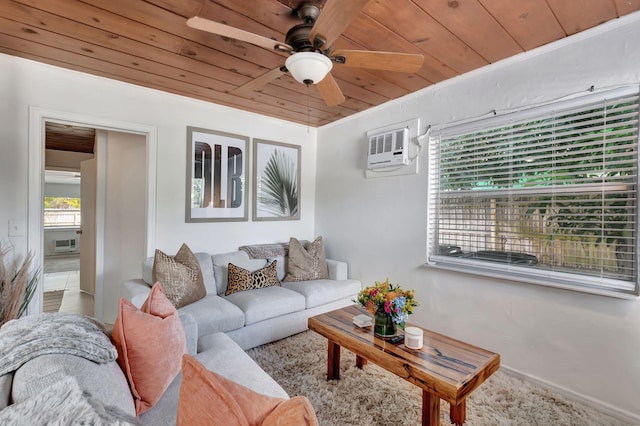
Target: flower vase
[383,325]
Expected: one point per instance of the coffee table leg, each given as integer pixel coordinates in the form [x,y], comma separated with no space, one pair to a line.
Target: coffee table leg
[430,409]
[360,362]
[458,413]
[333,361]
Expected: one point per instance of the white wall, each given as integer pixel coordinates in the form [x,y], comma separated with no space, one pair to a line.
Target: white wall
[25,83]
[65,160]
[588,344]
[124,215]
[51,235]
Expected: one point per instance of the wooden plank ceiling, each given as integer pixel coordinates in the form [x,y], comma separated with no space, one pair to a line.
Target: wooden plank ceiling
[64,137]
[147,43]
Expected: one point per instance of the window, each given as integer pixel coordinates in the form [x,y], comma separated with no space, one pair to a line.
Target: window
[60,212]
[547,195]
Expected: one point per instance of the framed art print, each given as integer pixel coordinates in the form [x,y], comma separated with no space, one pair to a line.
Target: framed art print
[276,179]
[216,176]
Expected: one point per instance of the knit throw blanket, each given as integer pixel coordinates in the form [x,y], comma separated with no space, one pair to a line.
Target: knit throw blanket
[53,333]
[62,404]
[269,251]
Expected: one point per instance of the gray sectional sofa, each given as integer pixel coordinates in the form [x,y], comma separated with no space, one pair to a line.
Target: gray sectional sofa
[255,317]
[218,329]
[107,385]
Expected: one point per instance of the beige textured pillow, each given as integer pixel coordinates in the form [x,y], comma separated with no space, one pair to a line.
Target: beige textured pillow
[180,276]
[306,264]
[240,279]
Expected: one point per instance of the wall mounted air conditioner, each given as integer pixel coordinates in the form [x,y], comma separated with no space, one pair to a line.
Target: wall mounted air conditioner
[65,246]
[390,148]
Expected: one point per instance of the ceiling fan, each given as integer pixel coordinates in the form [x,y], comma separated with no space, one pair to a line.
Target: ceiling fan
[310,46]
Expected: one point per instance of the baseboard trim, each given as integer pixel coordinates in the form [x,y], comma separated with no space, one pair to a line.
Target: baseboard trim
[604,407]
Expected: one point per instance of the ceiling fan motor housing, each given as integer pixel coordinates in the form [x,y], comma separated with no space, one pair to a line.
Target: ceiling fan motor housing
[298,38]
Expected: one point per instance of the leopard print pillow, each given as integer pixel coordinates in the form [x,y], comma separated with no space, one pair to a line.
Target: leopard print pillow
[240,279]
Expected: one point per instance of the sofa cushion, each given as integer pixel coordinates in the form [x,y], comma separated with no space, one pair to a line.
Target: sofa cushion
[180,276]
[106,382]
[241,279]
[306,263]
[213,314]
[147,270]
[281,266]
[264,303]
[190,327]
[320,292]
[150,342]
[238,258]
[64,403]
[206,267]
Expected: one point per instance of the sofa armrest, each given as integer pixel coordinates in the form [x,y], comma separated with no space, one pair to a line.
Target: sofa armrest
[135,291]
[338,270]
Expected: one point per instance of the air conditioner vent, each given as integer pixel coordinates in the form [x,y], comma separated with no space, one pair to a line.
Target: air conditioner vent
[65,246]
[388,149]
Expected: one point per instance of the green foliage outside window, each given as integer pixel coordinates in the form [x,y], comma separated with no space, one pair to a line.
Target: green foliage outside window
[61,203]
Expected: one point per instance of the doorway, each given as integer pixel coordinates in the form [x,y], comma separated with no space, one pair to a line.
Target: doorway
[69,200]
[63,208]
[106,289]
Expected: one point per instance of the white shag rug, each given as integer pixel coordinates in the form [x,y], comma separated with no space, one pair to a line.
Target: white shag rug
[373,396]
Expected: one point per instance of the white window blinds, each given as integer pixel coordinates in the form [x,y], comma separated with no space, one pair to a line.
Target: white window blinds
[547,195]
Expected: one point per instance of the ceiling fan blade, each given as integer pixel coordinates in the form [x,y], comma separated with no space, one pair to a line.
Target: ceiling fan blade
[385,61]
[258,82]
[334,19]
[330,92]
[236,33]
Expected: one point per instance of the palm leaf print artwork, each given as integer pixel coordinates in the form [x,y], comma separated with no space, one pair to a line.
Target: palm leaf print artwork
[279,186]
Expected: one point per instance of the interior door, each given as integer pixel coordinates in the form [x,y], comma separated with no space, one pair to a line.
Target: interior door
[88,178]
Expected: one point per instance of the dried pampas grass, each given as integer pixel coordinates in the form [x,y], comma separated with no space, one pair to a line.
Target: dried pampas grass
[16,288]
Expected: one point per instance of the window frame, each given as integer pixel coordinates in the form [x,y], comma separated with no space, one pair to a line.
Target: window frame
[546,277]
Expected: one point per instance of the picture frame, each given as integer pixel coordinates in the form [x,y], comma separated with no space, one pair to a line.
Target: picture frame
[276,181]
[216,181]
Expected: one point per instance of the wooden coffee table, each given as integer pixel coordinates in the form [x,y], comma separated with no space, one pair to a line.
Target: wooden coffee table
[444,368]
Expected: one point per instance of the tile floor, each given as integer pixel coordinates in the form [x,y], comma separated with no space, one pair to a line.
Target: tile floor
[74,301]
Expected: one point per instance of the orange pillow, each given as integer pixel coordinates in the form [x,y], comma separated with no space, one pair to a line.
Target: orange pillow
[150,344]
[207,398]
[293,412]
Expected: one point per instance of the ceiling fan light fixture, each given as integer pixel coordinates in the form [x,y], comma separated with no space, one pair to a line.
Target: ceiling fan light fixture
[308,67]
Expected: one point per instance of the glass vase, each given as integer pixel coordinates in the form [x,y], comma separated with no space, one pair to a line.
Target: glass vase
[383,325]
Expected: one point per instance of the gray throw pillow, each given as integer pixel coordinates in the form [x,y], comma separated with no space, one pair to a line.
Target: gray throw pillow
[306,263]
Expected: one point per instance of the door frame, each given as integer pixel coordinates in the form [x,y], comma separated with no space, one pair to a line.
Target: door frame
[35,227]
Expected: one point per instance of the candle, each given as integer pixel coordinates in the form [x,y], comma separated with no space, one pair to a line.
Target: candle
[413,337]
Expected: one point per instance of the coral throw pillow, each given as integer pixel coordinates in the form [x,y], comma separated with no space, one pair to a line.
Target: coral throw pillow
[207,398]
[306,263]
[150,343]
